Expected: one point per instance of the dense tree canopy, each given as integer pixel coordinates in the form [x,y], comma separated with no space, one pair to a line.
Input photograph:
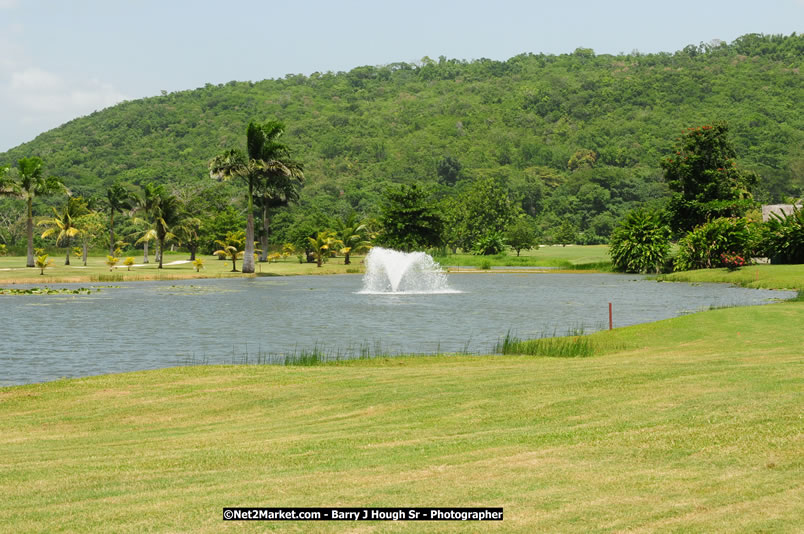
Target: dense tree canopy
[410,220]
[576,138]
[704,177]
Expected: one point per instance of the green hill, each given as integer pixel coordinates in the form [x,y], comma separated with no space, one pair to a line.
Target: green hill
[521,120]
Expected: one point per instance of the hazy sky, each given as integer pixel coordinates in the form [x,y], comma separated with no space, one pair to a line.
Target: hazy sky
[61,59]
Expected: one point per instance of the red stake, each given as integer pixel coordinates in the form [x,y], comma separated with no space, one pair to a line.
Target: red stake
[611,323]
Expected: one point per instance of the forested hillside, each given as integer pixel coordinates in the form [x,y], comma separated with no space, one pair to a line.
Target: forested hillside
[575,137]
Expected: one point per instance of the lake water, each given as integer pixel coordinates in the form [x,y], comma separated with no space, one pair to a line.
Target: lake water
[148,325]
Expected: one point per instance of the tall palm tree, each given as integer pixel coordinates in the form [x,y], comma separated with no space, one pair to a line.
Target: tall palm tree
[167,216]
[143,203]
[63,222]
[118,199]
[30,183]
[265,161]
[353,235]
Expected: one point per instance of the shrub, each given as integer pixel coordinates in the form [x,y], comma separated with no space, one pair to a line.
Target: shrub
[784,237]
[111,261]
[488,245]
[732,261]
[707,245]
[640,243]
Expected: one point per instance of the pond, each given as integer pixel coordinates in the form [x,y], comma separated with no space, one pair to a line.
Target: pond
[148,325]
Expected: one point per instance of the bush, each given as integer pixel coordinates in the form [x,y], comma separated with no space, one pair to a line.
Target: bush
[707,245]
[783,241]
[488,245]
[640,243]
[732,261]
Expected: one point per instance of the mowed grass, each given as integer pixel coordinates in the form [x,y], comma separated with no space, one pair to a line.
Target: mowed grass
[569,257]
[13,270]
[693,424]
[756,276]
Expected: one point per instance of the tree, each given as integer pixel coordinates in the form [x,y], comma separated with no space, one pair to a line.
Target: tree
[31,183]
[566,233]
[64,222]
[144,203]
[704,177]
[261,165]
[521,235]
[280,184]
[111,261]
[167,216]
[118,199]
[448,170]
[640,243]
[486,209]
[230,247]
[188,234]
[323,242]
[89,227]
[352,234]
[43,262]
[583,158]
[408,220]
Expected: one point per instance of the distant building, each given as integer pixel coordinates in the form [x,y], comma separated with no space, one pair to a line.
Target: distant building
[780,209]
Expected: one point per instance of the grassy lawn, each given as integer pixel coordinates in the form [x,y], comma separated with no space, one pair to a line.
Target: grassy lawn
[13,270]
[569,257]
[691,424]
[756,276]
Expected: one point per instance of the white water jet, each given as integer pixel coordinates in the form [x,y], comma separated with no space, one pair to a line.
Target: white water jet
[392,271]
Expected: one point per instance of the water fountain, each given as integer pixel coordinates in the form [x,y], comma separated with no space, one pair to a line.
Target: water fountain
[392,271]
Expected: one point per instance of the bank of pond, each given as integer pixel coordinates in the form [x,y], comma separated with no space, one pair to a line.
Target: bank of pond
[121,327]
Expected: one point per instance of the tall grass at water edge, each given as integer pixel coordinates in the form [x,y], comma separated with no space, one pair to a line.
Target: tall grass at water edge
[317,355]
[574,345]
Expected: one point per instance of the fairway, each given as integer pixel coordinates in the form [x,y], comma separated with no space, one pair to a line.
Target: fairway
[689,424]
[175,267]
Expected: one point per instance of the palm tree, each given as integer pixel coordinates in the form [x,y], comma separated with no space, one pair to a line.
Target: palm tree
[118,199]
[30,184]
[262,164]
[89,227]
[144,203]
[43,262]
[279,187]
[322,243]
[352,234]
[167,216]
[64,222]
[230,246]
[188,234]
